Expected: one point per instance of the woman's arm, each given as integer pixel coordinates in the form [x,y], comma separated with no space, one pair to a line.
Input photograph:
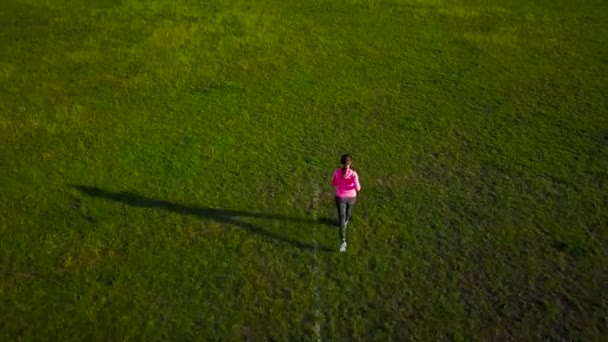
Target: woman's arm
[357,184]
[334,180]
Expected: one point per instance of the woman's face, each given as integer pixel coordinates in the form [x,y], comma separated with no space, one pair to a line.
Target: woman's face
[347,165]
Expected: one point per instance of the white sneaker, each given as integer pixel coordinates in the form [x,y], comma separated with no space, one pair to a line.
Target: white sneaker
[343,246]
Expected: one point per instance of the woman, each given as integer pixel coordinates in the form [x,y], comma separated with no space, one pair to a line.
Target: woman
[346,182]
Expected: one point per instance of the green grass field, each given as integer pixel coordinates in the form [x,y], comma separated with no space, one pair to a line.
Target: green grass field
[165,169]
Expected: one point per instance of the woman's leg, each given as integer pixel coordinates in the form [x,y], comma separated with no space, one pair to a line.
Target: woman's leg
[341,207]
[350,202]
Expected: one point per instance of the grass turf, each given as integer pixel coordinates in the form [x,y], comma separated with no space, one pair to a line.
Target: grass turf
[165,169]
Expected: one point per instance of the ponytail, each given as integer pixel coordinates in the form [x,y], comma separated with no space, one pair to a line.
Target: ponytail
[345,160]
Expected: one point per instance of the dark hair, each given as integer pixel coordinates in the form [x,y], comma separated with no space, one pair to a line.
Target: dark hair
[345,159]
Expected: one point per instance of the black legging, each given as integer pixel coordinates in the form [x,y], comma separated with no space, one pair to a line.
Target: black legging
[344,205]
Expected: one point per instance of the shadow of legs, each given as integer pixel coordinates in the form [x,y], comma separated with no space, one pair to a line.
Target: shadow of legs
[225,216]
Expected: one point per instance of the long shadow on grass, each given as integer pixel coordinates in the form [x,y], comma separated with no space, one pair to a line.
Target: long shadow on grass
[226,216]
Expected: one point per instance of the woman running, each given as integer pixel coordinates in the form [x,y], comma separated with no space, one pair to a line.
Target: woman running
[346,182]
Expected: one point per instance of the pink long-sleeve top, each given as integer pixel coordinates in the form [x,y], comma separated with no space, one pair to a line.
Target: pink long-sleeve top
[347,185]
